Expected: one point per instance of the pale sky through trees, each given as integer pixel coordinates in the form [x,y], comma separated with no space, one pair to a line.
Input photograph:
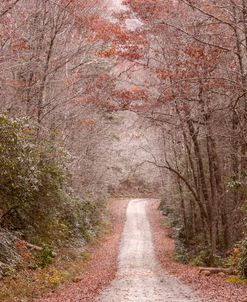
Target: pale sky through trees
[116,4]
[131,24]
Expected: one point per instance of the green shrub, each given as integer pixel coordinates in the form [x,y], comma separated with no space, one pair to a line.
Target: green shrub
[181,254]
[45,257]
[34,189]
[233,257]
[19,176]
[32,178]
[242,265]
[202,258]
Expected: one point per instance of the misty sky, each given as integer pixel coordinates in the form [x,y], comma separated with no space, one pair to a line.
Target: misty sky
[116,4]
[130,23]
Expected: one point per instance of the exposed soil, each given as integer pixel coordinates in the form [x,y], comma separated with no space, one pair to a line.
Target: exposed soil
[102,266]
[211,287]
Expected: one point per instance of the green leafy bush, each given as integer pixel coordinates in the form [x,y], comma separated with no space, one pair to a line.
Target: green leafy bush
[35,199]
[33,189]
[181,254]
[31,176]
[45,257]
[242,265]
[19,176]
[202,258]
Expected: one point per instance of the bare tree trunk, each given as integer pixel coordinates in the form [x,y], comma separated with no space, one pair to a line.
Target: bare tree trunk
[203,184]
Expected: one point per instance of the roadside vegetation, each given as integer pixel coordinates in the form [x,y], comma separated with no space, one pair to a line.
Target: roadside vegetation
[44,226]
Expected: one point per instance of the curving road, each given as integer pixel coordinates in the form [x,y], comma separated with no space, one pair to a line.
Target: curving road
[139,277]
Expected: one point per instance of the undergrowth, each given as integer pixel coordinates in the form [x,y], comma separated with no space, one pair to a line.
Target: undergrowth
[39,213]
[31,283]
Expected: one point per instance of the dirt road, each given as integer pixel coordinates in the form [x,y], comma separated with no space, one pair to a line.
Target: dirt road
[139,276]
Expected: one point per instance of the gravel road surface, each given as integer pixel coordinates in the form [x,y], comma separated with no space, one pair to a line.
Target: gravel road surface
[139,276]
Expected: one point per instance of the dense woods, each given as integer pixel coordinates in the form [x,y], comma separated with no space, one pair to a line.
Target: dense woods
[147,96]
[196,58]
[63,146]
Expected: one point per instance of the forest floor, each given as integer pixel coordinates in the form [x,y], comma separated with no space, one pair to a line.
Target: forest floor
[102,266]
[134,262]
[214,288]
